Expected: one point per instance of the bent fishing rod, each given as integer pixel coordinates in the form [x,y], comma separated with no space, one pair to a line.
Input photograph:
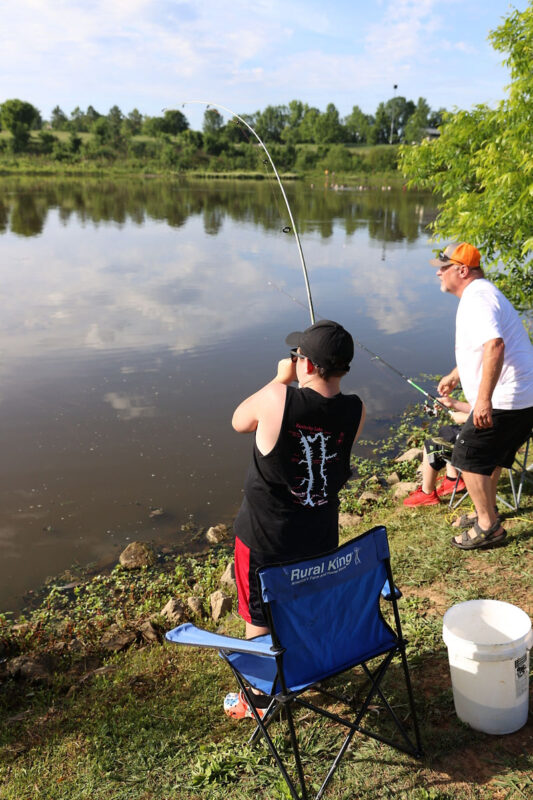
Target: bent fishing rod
[286,229]
[208,103]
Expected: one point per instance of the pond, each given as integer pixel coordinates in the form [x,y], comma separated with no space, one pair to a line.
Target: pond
[136,314]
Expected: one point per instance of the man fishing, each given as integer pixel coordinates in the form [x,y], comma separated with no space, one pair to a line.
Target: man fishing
[494,363]
[301,460]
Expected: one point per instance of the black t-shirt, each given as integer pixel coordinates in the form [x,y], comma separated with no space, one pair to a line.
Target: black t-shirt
[290,506]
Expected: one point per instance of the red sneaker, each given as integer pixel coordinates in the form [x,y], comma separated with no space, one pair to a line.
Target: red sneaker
[446,487]
[236,706]
[420,498]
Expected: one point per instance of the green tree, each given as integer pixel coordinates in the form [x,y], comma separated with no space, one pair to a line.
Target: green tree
[19,118]
[233,131]
[295,114]
[47,141]
[380,130]
[308,124]
[101,130]
[112,131]
[77,120]
[357,126]
[436,118]
[153,126]
[269,124]
[91,115]
[115,117]
[83,120]
[191,139]
[174,122]
[328,128]
[398,110]
[132,123]
[59,120]
[417,123]
[213,121]
[482,167]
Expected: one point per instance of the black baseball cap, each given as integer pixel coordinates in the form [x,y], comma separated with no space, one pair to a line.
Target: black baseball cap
[326,343]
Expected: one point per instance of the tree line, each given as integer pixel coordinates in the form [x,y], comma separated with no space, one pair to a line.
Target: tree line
[169,140]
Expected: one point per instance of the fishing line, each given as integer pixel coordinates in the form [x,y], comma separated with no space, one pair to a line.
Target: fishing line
[375,357]
[264,162]
[293,224]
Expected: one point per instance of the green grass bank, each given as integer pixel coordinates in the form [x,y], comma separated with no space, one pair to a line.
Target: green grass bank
[146,723]
[59,153]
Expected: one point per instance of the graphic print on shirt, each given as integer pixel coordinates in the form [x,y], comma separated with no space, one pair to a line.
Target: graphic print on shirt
[313,487]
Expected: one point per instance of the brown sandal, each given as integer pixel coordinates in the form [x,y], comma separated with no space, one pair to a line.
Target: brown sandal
[466,522]
[482,538]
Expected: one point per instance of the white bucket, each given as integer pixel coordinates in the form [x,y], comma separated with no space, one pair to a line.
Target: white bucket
[488,648]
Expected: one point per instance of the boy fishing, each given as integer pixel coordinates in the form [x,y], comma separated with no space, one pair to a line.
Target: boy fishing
[301,460]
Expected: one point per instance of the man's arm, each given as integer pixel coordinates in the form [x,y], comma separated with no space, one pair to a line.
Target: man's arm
[493,352]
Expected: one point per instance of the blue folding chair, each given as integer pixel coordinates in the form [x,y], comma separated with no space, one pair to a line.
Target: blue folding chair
[325,618]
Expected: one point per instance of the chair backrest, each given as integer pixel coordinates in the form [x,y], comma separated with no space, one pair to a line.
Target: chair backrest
[325,611]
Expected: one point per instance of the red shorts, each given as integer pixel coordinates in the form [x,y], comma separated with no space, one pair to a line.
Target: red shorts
[247,562]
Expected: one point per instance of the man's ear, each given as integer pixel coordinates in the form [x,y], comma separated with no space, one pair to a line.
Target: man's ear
[309,367]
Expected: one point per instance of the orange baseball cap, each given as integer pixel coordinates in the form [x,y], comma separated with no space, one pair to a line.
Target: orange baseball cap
[464,253]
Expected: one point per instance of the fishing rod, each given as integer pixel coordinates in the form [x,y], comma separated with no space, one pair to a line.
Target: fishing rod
[375,357]
[410,381]
[208,103]
[286,229]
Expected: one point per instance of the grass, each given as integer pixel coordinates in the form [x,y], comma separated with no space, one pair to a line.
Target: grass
[150,727]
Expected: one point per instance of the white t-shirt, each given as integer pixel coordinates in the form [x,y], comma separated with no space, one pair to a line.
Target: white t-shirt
[484,313]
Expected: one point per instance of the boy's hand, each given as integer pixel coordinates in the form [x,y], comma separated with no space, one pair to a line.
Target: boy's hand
[286,371]
[444,400]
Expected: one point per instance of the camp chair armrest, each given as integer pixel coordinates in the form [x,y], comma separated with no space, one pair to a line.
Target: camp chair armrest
[191,635]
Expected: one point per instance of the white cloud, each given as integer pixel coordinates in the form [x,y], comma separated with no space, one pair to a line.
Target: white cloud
[129,407]
[152,54]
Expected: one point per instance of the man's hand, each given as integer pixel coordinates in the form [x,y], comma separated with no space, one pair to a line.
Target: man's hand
[286,371]
[493,353]
[482,416]
[448,383]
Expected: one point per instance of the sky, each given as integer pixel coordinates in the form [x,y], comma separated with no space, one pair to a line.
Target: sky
[157,54]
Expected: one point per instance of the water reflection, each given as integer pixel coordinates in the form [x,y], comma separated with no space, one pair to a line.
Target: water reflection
[136,314]
[389,216]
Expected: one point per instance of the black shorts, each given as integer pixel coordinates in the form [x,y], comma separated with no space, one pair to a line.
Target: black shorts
[481,450]
[439,453]
[247,562]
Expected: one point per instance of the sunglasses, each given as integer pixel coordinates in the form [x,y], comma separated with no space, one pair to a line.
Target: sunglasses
[445,267]
[295,355]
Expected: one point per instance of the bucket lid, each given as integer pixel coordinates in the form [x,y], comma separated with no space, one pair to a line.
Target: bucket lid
[487,630]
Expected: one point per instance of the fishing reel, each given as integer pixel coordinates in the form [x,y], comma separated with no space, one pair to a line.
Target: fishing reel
[431,408]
